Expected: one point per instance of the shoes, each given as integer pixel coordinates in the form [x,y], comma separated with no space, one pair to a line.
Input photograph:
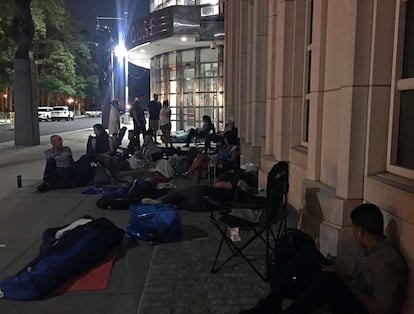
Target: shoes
[150,201]
[42,188]
[185,174]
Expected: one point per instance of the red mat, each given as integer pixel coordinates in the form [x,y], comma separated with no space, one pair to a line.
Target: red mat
[96,278]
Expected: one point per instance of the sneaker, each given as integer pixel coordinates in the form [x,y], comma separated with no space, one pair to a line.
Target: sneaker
[42,188]
[185,174]
[150,201]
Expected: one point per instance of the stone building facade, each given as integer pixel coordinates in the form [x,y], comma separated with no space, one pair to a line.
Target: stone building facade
[329,87]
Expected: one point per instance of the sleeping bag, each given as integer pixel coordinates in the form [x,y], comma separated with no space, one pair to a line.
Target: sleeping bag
[64,253]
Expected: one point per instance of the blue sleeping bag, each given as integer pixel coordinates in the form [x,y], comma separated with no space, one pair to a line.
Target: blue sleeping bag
[60,260]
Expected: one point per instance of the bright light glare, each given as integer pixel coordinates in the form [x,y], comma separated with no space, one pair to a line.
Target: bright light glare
[120,51]
[183,38]
[70,100]
[142,51]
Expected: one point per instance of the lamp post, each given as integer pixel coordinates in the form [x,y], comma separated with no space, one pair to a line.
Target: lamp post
[120,52]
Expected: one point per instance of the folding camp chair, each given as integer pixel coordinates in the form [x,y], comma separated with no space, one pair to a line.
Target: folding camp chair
[121,152]
[120,137]
[255,220]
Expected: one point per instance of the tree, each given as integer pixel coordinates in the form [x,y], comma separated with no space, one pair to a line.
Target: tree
[7,45]
[62,54]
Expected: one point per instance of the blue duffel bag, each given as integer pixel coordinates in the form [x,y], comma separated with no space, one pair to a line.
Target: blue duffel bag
[155,223]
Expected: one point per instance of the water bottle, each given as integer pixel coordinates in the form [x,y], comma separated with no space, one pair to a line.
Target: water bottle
[19,181]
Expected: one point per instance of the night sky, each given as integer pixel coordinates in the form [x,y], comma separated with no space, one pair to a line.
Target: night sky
[85,13]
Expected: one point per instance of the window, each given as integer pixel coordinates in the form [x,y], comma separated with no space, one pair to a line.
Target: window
[169,3]
[188,56]
[208,69]
[210,10]
[155,5]
[401,153]
[307,76]
[201,2]
[188,80]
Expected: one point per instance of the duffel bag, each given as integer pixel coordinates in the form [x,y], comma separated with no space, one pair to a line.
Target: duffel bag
[155,223]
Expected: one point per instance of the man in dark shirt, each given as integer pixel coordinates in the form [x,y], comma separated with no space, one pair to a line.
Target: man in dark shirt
[154,108]
[138,117]
[202,132]
[376,284]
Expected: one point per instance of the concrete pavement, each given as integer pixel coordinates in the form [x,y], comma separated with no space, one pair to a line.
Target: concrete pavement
[168,278]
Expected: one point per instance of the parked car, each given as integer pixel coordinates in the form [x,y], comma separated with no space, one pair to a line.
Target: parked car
[44,113]
[62,113]
[96,112]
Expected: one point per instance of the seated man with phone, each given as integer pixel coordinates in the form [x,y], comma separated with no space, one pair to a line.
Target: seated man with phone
[375,285]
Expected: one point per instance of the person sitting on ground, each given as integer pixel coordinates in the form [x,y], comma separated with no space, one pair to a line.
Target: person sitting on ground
[152,152]
[149,147]
[225,158]
[133,144]
[202,132]
[219,136]
[376,284]
[100,148]
[61,170]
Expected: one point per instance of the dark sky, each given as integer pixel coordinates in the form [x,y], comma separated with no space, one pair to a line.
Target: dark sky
[85,13]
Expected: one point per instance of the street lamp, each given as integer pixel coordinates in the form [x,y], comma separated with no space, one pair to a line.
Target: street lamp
[119,51]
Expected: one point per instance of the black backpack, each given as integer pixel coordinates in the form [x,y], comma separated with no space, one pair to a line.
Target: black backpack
[285,249]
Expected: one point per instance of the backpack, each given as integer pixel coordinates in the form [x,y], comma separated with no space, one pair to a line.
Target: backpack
[285,249]
[155,223]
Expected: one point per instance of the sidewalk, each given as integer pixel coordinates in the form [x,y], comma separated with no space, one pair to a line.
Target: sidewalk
[25,213]
[168,278]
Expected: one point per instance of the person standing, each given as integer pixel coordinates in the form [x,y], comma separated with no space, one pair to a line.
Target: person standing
[138,117]
[165,123]
[114,120]
[154,108]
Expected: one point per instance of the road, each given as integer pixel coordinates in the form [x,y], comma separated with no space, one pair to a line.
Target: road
[49,128]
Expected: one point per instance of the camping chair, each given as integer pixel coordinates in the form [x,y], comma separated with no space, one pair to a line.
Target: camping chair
[255,218]
[225,168]
[120,137]
[121,152]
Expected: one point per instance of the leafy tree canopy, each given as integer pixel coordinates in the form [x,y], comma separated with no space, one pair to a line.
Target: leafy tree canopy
[62,54]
